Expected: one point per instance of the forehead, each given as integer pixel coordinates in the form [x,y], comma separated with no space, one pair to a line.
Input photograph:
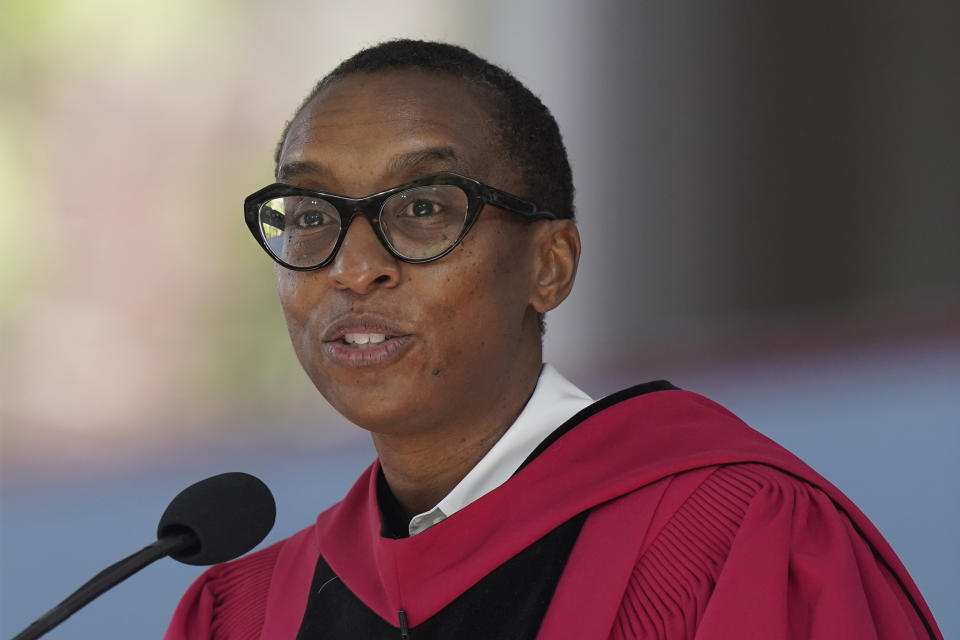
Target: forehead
[371,130]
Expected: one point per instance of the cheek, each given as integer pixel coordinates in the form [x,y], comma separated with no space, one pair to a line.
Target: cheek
[488,296]
[504,278]
[287,292]
[295,303]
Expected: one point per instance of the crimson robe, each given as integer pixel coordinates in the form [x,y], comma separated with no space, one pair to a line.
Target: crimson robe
[698,527]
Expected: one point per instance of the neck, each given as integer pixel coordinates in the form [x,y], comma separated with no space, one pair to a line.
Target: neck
[422,468]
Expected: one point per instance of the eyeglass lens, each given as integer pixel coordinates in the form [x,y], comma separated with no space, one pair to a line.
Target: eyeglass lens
[418,223]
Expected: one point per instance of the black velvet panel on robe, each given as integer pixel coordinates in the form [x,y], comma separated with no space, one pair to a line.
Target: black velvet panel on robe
[508,603]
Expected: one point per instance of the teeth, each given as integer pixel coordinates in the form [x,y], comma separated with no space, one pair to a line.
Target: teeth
[364,338]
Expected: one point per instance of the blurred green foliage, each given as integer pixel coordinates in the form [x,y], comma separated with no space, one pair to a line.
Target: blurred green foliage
[156,71]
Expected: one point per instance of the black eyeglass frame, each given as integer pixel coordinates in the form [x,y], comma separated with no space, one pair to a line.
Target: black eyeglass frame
[478,195]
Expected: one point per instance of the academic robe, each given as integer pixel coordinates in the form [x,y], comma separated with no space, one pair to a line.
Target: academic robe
[694,526]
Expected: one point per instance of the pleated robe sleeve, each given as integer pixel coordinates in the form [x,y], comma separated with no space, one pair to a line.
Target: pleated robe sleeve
[756,553]
[227,602]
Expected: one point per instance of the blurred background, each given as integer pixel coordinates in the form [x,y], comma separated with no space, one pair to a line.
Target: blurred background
[768,194]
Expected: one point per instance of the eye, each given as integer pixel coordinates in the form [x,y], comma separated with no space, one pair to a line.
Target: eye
[424,208]
[421,208]
[309,215]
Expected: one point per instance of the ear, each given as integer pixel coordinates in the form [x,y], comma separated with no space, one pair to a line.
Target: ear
[557,255]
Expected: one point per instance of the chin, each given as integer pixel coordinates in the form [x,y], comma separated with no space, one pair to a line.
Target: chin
[388,424]
[374,408]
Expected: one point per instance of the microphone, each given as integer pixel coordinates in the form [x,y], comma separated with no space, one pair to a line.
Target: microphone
[209,522]
[227,515]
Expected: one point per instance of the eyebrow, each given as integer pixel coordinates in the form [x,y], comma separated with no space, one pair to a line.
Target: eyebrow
[402,162]
[423,156]
[299,168]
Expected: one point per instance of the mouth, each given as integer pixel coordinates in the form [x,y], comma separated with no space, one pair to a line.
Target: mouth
[365,340]
[349,344]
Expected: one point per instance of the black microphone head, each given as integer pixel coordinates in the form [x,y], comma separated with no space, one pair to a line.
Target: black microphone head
[229,514]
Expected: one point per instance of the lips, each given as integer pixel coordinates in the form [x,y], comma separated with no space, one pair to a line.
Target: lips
[363,340]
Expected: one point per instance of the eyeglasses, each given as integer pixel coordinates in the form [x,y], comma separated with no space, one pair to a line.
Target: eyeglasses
[417,222]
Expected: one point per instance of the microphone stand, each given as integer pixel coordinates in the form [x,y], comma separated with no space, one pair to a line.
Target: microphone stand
[109,577]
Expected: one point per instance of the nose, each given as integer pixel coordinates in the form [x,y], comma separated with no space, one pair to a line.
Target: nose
[363,263]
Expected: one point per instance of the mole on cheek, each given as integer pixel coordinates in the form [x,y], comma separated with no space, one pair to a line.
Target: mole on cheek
[436,372]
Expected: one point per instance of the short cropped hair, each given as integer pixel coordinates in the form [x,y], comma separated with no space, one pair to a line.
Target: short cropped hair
[525,126]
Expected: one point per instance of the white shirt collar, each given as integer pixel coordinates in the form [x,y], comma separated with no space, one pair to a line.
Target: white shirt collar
[555,399]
